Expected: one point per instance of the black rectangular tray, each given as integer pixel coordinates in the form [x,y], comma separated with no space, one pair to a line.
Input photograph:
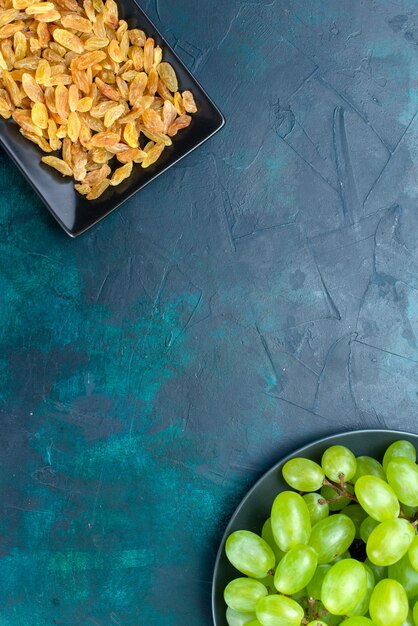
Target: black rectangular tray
[72,211]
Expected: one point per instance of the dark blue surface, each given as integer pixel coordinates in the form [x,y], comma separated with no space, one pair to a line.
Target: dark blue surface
[261,294]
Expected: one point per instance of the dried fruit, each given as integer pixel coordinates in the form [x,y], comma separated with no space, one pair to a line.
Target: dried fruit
[58,164]
[68,40]
[43,72]
[181,122]
[40,115]
[148,54]
[73,126]
[121,173]
[113,114]
[76,78]
[188,102]
[152,121]
[153,155]
[168,76]
[76,22]
[97,191]
[131,135]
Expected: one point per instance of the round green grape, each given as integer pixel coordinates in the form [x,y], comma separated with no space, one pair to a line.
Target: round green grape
[303,474]
[295,570]
[399,448]
[367,466]
[415,613]
[357,514]
[332,536]
[388,603]
[413,553]
[377,498]
[242,594]
[317,622]
[267,535]
[366,528]
[403,478]
[290,521]
[249,554]
[404,573]
[235,618]
[314,587]
[379,572]
[344,587]
[337,461]
[279,611]
[316,510]
[389,541]
[363,606]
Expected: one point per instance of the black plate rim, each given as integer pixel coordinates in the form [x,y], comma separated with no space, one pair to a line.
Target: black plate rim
[275,467]
[75,232]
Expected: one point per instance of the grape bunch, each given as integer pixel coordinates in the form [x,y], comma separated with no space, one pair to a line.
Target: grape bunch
[342,548]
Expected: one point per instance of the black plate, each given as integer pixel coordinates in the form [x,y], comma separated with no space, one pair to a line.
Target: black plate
[73,212]
[255,507]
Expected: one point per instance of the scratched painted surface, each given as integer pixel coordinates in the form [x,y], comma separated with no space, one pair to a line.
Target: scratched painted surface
[261,294]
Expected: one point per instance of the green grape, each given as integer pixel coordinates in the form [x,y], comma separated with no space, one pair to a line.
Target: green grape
[363,606]
[415,613]
[357,514]
[317,622]
[339,460]
[357,620]
[290,521]
[249,554]
[399,448]
[332,536]
[403,478]
[366,528]
[279,611]
[254,622]
[242,594]
[303,474]
[267,535]
[379,572]
[404,573]
[344,586]
[413,553]
[367,466]
[409,619]
[389,541]
[314,586]
[235,618]
[329,493]
[388,603]
[295,570]
[377,498]
[316,510]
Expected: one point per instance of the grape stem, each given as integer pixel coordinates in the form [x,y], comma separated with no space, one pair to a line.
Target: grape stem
[339,488]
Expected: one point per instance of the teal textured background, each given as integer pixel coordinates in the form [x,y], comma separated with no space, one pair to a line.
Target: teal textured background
[259,295]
